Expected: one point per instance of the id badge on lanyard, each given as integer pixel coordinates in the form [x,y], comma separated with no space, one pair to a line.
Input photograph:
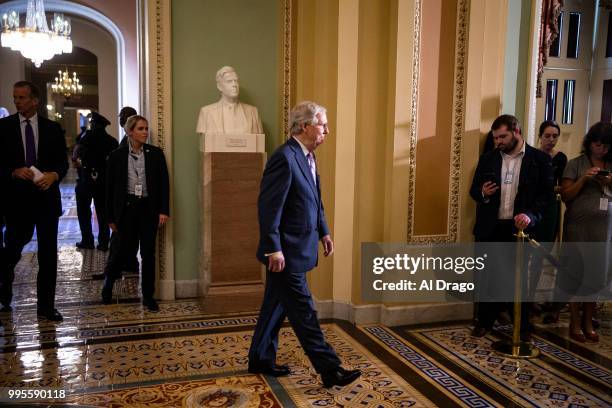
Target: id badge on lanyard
[603,204]
[138,190]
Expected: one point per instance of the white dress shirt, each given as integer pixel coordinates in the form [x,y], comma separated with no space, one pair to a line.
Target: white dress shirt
[510,174]
[34,124]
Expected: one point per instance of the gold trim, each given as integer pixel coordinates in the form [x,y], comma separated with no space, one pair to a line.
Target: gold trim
[458,128]
[416,53]
[287,65]
[160,90]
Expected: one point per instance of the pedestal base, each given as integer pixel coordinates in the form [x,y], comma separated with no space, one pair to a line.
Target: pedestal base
[520,350]
[230,225]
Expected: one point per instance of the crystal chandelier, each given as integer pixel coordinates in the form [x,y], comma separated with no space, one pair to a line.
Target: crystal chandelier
[35,41]
[65,85]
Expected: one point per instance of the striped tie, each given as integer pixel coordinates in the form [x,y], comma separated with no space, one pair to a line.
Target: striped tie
[311,164]
[30,145]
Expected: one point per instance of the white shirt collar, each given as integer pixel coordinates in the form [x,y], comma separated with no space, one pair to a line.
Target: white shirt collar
[132,151]
[34,118]
[304,149]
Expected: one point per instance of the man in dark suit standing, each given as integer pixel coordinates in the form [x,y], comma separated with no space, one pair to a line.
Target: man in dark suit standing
[93,149]
[33,163]
[291,223]
[512,185]
[137,203]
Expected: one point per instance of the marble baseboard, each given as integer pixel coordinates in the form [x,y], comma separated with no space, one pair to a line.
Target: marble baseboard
[394,315]
[167,289]
[186,288]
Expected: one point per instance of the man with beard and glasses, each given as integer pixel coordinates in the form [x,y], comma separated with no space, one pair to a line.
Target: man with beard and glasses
[512,186]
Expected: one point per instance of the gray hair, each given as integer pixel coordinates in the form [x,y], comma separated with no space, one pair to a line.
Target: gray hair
[304,113]
[224,70]
[131,122]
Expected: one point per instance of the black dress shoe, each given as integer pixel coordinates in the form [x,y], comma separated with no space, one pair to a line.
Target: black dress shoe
[102,247]
[151,304]
[274,370]
[479,331]
[340,377]
[85,245]
[98,276]
[53,315]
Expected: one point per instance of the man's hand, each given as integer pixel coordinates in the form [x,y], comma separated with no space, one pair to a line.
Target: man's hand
[521,221]
[328,245]
[46,181]
[23,173]
[276,262]
[489,188]
[112,226]
[162,219]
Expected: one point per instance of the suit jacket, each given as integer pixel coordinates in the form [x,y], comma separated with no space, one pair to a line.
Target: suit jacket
[291,215]
[534,194]
[23,196]
[211,118]
[156,174]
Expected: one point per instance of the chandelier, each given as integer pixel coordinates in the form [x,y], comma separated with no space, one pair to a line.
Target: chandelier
[35,41]
[65,85]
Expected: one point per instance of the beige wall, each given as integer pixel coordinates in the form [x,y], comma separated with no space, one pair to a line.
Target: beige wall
[435,115]
[358,62]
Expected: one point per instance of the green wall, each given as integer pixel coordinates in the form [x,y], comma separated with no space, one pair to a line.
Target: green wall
[516,58]
[206,35]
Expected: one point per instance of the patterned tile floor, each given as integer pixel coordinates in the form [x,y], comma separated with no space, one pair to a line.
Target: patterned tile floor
[121,355]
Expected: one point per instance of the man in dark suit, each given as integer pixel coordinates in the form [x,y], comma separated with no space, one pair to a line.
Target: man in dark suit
[93,150]
[137,203]
[512,185]
[291,223]
[33,162]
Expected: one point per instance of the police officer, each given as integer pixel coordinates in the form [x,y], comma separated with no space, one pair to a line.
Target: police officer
[93,150]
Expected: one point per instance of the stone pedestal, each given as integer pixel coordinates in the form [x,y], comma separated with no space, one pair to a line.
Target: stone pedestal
[230,228]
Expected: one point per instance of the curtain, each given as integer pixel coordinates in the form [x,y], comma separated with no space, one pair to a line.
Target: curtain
[549,30]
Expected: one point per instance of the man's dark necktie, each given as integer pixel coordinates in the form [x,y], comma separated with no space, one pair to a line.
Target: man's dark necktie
[30,145]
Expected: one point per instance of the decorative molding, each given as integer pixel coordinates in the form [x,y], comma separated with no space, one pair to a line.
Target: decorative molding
[394,315]
[158,57]
[414,113]
[287,64]
[94,16]
[461,41]
[186,288]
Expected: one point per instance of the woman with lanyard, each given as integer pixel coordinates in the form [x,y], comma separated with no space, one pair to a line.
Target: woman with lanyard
[585,189]
[546,230]
[137,194]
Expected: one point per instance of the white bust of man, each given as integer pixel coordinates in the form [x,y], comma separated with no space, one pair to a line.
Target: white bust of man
[229,115]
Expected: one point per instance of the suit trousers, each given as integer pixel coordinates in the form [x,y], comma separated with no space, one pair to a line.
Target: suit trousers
[287,295]
[86,191]
[19,231]
[489,311]
[138,223]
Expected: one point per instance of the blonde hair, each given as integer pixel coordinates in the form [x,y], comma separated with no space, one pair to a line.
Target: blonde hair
[131,122]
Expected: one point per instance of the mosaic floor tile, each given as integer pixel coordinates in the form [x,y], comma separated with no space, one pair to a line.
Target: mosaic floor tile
[528,381]
[249,391]
[603,347]
[378,386]
[457,388]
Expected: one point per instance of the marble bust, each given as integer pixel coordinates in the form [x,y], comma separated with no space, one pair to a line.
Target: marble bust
[229,115]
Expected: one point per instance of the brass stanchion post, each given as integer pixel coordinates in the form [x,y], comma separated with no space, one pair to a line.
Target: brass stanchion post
[517,348]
